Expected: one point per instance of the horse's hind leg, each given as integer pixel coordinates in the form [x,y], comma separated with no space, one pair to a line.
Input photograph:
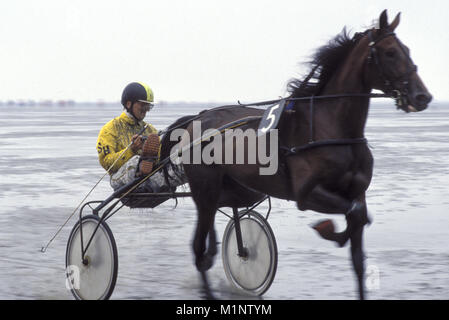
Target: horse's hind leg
[205,193]
[205,229]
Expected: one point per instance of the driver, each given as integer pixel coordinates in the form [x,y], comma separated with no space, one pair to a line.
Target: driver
[116,135]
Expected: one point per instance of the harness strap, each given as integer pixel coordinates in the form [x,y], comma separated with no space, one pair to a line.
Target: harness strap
[314,144]
[400,91]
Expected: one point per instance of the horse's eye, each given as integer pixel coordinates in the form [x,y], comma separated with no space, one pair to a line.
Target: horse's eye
[390,54]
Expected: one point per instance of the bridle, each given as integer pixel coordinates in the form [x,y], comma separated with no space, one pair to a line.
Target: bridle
[398,92]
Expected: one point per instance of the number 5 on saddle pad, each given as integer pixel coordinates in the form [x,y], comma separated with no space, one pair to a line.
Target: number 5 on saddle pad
[271,118]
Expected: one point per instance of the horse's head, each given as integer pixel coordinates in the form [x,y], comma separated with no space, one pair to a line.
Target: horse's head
[391,69]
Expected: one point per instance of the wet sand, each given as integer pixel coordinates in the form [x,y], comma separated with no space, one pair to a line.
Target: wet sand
[48,163]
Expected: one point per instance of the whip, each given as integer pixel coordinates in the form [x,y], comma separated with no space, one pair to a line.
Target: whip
[44,249]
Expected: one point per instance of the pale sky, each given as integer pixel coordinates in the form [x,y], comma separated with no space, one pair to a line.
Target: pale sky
[195,50]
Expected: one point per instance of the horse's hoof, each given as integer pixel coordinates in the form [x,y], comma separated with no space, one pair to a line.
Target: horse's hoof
[325,229]
[204,263]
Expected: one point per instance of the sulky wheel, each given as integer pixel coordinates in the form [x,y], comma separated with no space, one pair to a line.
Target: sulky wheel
[253,272]
[94,277]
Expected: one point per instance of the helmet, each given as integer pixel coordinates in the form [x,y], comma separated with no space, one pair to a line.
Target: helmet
[137,91]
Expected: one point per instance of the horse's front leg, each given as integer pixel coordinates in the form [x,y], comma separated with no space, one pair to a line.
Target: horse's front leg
[358,258]
[350,200]
[356,217]
[321,200]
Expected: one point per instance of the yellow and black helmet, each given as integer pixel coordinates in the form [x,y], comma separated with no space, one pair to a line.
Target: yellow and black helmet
[137,91]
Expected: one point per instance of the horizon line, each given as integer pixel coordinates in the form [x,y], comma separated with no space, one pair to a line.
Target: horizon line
[69,102]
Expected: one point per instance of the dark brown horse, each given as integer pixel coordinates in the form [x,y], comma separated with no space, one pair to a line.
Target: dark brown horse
[330,178]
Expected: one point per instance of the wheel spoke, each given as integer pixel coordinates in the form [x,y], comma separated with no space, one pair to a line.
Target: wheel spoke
[254,273]
[96,278]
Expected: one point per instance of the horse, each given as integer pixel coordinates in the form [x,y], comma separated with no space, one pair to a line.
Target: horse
[330,105]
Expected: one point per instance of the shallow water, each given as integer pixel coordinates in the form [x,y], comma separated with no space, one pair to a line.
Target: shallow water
[48,163]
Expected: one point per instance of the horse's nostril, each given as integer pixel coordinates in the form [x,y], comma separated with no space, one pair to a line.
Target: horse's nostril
[423,98]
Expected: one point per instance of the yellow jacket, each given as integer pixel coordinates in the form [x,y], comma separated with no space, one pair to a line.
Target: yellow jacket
[115,136]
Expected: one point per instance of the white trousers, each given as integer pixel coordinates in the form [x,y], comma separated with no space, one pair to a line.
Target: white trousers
[127,174]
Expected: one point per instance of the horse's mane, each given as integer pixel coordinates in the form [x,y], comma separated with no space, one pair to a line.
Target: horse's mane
[324,63]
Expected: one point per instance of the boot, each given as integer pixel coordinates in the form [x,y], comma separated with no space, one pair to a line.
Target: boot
[150,152]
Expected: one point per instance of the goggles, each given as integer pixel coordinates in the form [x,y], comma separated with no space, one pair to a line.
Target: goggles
[147,105]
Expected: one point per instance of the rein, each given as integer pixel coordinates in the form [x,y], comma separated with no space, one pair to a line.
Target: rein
[288,151]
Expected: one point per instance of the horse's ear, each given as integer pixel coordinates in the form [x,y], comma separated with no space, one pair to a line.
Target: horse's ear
[395,22]
[383,20]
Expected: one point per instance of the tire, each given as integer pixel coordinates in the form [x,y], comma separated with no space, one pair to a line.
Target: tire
[96,280]
[255,273]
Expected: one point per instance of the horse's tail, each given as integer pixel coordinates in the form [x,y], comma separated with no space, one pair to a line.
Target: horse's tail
[166,143]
